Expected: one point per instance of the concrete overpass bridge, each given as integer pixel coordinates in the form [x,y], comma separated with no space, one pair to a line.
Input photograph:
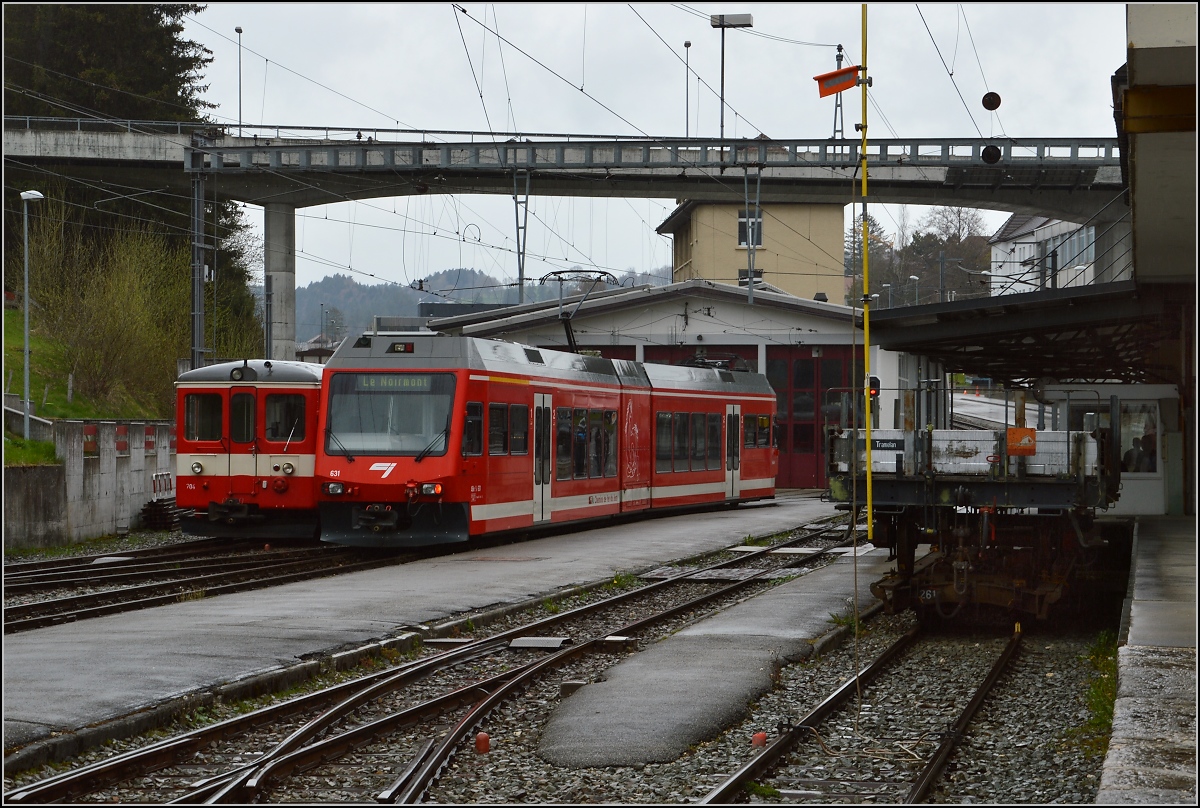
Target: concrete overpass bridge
[1070,179]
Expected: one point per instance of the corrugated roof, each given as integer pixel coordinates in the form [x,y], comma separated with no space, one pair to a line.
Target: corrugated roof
[1018,225]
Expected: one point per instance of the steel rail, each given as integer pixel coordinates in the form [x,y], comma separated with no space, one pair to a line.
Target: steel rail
[181,550]
[171,751]
[933,769]
[411,791]
[247,784]
[731,791]
[128,573]
[29,616]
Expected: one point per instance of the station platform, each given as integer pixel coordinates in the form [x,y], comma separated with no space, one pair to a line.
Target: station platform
[1152,753]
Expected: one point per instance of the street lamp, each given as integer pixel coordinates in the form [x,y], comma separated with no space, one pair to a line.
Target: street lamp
[724,21]
[916,289]
[888,286]
[986,276]
[26,198]
[687,79]
[239,33]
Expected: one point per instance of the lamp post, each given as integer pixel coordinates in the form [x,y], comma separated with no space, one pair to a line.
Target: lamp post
[26,198]
[687,79]
[916,288]
[322,324]
[239,33]
[724,21]
[888,286]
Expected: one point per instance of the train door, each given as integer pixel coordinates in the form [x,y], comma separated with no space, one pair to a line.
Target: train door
[243,440]
[204,442]
[733,450]
[542,463]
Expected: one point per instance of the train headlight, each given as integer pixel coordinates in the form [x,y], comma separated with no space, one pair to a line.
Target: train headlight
[236,374]
[334,488]
[431,489]
[197,468]
[288,468]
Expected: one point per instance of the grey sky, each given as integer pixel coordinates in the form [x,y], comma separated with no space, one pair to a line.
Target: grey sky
[619,69]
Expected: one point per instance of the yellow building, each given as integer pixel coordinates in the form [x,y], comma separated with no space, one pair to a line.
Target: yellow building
[798,248]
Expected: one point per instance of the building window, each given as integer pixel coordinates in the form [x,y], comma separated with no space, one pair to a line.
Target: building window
[756,223]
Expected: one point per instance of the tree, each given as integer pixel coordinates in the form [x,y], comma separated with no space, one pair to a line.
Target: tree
[948,241]
[112,61]
[953,225]
[880,258]
[108,62]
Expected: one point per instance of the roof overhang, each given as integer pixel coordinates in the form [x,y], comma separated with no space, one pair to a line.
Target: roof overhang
[519,319]
[1107,332]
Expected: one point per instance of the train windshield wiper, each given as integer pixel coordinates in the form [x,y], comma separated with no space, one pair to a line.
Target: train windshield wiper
[345,451]
[290,434]
[445,433]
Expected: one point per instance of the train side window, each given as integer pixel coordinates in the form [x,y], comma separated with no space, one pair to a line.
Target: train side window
[579,443]
[241,417]
[764,431]
[497,429]
[662,442]
[699,451]
[595,443]
[562,444]
[285,417]
[610,443]
[202,416]
[749,431]
[518,419]
[472,442]
[714,440]
[680,430]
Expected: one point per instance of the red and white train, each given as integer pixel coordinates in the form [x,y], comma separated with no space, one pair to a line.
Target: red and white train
[428,439]
[246,449]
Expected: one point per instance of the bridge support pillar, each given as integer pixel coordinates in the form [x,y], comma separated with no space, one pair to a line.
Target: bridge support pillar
[1113,252]
[279,260]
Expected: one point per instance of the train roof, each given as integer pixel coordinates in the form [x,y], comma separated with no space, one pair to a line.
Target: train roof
[423,350]
[707,378]
[262,371]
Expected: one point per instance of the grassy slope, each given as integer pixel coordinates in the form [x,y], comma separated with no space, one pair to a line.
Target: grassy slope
[49,366]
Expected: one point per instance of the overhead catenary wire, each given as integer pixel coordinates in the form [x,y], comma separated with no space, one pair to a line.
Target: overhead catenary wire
[949,72]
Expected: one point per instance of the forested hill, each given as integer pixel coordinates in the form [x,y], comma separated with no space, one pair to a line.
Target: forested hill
[349,306]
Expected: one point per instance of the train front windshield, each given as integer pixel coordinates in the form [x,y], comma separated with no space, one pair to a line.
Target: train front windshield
[389,414]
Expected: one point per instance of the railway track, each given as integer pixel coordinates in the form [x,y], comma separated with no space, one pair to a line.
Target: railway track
[784,767]
[412,719]
[40,594]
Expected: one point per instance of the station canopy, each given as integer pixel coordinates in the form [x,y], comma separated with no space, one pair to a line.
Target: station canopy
[1109,332]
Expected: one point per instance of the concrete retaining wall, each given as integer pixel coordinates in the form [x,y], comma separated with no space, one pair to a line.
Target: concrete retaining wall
[88,495]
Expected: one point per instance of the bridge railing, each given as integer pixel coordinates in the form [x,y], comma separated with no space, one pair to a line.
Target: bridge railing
[232,154]
[44,124]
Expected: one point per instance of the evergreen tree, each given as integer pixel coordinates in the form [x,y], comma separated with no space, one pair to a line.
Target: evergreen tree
[111,61]
[121,62]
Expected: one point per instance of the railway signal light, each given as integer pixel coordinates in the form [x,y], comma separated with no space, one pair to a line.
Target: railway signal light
[873,387]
